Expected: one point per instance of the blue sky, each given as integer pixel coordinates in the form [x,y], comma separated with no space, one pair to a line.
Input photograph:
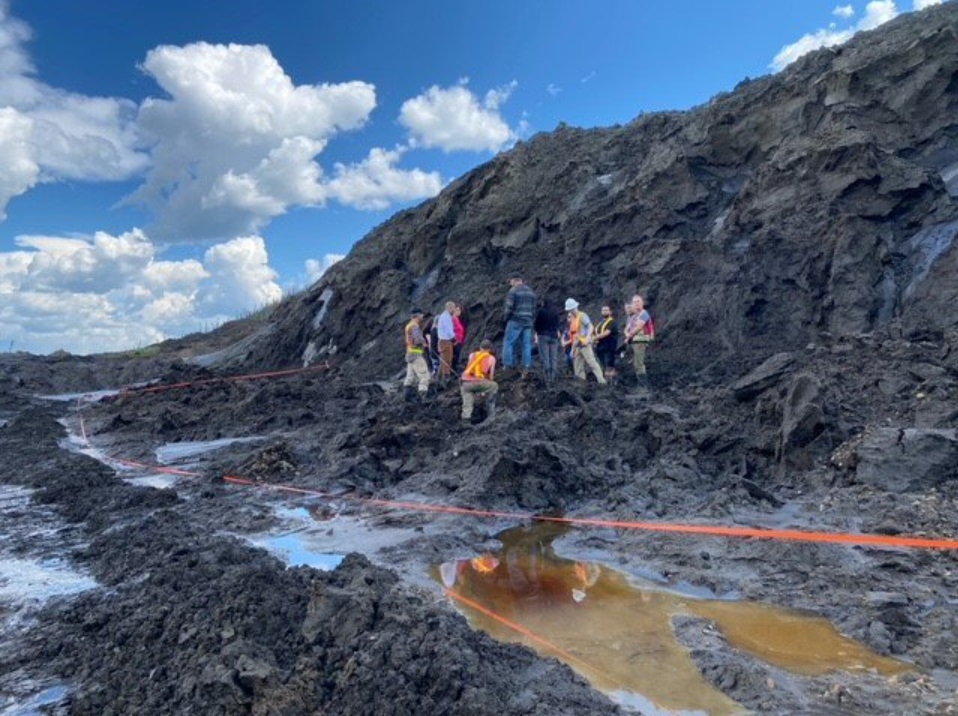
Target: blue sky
[171,165]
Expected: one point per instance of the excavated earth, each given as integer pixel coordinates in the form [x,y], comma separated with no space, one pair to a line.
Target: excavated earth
[189,618]
[796,241]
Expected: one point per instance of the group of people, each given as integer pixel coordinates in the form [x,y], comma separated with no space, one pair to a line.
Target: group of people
[584,344]
[434,347]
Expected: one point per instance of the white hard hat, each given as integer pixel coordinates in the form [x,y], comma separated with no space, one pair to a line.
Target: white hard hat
[571,304]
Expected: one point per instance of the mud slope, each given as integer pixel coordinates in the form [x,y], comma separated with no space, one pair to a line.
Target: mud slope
[817,201]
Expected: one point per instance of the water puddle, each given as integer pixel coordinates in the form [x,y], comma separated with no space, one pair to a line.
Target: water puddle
[31,573]
[23,581]
[78,444]
[316,536]
[178,454]
[173,453]
[618,633]
[295,550]
[27,579]
[92,396]
[141,476]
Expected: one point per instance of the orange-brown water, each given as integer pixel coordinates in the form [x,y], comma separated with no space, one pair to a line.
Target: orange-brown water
[620,636]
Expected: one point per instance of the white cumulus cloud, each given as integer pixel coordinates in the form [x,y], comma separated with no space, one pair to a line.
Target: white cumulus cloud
[845,11]
[229,144]
[112,293]
[453,118]
[48,135]
[922,4]
[375,182]
[236,142]
[20,169]
[877,13]
[315,268]
[241,278]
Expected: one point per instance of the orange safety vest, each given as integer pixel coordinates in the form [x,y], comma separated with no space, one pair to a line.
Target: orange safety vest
[410,346]
[474,368]
[574,331]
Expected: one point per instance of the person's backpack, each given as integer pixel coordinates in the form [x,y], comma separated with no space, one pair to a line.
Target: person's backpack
[648,329]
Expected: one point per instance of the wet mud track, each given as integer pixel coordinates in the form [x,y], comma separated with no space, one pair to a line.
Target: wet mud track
[189,617]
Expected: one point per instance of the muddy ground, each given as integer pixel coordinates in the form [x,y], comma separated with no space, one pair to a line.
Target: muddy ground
[188,617]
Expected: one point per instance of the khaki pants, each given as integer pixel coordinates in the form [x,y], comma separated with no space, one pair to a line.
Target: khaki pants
[445,359]
[585,356]
[417,371]
[638,356]
[470,388]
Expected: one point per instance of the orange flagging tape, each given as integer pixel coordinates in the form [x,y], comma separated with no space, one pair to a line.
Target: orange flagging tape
[716,531]
[518,628]
[709,530]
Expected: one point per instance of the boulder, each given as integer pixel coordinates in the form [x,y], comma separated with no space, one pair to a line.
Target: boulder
[907,459]
[763,377]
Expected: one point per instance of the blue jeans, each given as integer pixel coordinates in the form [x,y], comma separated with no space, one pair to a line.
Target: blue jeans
[549,353]
[515,332]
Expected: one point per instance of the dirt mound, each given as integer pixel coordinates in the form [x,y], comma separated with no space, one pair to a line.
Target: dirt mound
[818,201]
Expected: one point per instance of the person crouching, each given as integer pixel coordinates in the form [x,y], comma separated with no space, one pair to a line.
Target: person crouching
[477,379]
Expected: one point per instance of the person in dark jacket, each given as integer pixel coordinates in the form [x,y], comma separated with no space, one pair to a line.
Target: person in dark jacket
[607,341]
[519,314]
[548,329]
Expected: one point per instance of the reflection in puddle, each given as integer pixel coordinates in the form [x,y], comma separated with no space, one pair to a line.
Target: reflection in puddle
[292,548]
[620,636]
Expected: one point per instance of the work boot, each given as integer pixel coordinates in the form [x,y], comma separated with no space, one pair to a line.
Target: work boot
[490,409]
[409,393]
[424,397]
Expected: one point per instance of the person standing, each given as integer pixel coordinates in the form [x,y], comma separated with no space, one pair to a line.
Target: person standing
[639,332]
[479,379]
[580,335]
[417,372]
[606,341]
[519,314]
[459,328]
[548,335]
[446,333]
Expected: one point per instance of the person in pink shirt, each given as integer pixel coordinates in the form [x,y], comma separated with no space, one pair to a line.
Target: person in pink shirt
[459,331]
[478,379]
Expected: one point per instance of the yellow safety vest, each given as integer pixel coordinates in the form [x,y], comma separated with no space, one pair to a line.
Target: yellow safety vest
[410,346]
[604,325]
[474,368]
